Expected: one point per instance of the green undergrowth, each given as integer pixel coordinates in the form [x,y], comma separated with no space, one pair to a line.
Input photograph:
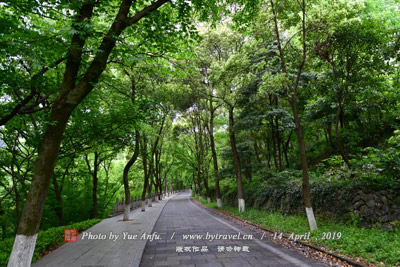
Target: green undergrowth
[46,241]
[372,245]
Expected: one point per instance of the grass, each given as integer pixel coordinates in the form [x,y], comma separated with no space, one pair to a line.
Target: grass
[372,245]
[46,240]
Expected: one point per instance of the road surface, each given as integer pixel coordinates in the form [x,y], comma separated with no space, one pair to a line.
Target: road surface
[190,235]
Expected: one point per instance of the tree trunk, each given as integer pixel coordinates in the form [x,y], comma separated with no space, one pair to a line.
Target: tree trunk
[271,123]
[166,184]
[157,175]
[293,102]
[214,155]
[236,161]
[205,181]
[71,94]
[339,143]
[286,148]
[28,227]
[149,189]
[268,154]
[202,159]
[3,224]
[127,206]
[278,137]
[273,144]
[14,181]
[155,190]
[249,174]
[285,152]
[146,176]
[153,170]
[58,190]
[17,211]
[93,212]
[160,186]
[59,207]
[257,151]
[329,131]
[198,181]
[194,183]
[304,167]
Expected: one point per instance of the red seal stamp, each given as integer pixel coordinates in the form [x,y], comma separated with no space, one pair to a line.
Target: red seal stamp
[70,235]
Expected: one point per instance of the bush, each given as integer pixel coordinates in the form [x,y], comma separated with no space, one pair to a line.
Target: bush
[47,240]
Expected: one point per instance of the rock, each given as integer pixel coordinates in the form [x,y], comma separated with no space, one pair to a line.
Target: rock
[358,204]
[357,198]
[384,199]
[371,203]
[385,208]
[382,192]
[379,213]
[370,196]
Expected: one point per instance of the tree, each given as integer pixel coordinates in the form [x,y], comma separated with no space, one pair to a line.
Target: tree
[210,129]
[228,77]
[293,96]
[78,81]
[132,160]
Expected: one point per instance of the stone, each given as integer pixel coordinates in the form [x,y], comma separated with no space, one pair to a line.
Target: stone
[379,212]
[371,203]
[385,208]
[382,192]
[370,196]
[358,204]
[357,198]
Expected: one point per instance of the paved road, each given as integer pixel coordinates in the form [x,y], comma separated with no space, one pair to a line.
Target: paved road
[181,216]
[108,251]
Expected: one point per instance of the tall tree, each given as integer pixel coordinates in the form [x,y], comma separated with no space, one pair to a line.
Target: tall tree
[293,98]
[76,85]
[129,164]
[228,77]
